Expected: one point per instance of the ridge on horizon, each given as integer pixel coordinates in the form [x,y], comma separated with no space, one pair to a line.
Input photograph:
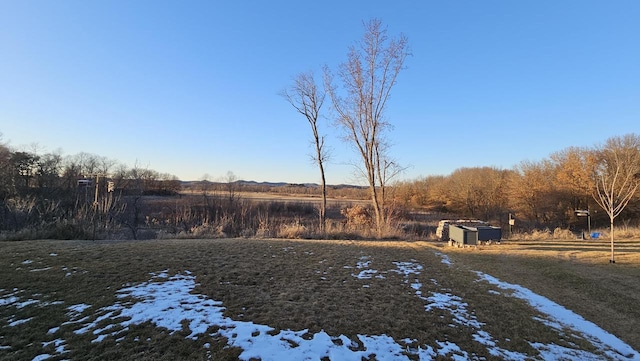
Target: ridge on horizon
[275,184]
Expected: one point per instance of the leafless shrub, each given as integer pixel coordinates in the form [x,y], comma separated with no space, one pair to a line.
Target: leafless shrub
[293,230]
[562,233]
[534,235]
[357,216]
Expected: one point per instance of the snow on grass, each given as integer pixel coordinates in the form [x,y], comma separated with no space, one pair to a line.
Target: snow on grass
[13,299]
[559,316]
[366,274]
[40,269]
[444,258]
[168,302]
[42,357]
[8,300]
[458,310]
[78,309]
[58,344]
[13,323]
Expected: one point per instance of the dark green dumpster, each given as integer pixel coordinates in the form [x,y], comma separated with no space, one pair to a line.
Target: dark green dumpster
[463,235]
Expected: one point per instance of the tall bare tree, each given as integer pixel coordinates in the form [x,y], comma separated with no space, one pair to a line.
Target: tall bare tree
[305,96]
[617,176]
[7,187]
[231,186]
[367,77]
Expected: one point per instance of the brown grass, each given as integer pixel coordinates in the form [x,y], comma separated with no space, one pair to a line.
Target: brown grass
[303,284]
[573,273]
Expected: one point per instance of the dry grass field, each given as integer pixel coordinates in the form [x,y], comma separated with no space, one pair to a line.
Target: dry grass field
[373,300]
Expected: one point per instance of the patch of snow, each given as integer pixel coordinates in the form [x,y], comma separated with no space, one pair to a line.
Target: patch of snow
[42,357]
[161,274]
[8,300]
[78,309]
[364,262]
[366,274]
[27,261]
[613,347]
[444,258]
[19,322]
[455,305]
[555,352]
[53,254]
[26,303]
[59,345]
[52,303]
[167,304]
[408,268]
[40,269]
[452,351]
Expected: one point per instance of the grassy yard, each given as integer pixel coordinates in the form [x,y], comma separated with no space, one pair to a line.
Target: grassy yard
[51,290]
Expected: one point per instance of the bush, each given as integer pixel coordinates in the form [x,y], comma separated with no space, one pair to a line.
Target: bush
[54,230]
[560,233]
[357,215]
[295,230]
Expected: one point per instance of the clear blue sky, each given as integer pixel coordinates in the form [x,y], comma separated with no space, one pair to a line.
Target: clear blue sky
[191,87]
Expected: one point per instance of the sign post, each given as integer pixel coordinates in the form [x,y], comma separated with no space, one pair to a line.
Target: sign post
[512,222]
[584,213]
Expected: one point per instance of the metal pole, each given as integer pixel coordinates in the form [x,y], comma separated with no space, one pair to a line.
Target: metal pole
[95,200]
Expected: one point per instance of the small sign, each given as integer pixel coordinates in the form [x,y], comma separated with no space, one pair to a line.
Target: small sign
[581,213]
[512,222]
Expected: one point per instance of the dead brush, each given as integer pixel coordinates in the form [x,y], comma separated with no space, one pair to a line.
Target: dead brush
[293,230]
[562,233]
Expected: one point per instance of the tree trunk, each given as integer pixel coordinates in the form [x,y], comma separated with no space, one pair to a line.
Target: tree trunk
[376,210]
[612,260]
[323,206]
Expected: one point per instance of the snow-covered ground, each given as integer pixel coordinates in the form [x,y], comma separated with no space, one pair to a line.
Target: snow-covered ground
[168,301]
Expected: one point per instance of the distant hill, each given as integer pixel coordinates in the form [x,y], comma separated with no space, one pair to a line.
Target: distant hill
[189,184]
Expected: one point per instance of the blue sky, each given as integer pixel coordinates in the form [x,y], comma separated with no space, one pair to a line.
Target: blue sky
[191,87]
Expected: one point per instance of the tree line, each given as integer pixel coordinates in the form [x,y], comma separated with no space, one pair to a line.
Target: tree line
[602,180]
[51,190]
[548,192]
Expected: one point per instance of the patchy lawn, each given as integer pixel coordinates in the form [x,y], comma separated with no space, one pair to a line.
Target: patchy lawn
[317,300]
